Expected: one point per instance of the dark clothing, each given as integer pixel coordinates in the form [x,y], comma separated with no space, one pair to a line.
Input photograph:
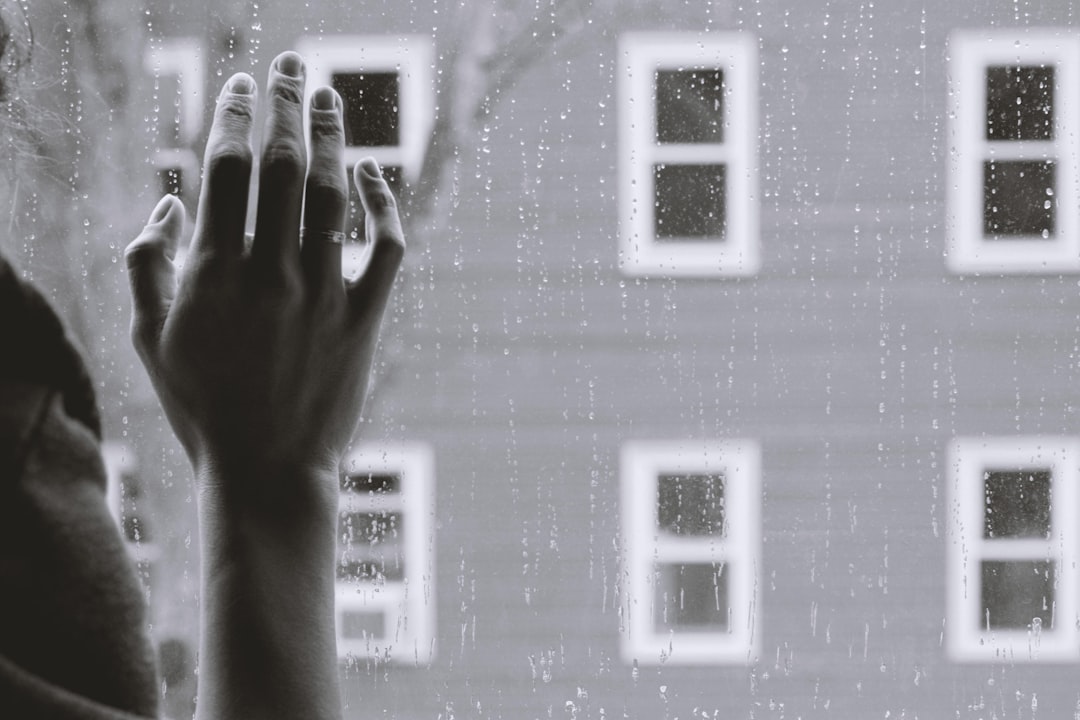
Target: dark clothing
[73,636]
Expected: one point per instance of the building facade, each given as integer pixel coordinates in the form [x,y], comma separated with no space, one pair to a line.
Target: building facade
[732,369]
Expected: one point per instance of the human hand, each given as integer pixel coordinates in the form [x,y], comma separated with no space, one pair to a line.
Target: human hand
[259,351]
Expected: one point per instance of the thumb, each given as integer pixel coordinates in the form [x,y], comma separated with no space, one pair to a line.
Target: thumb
[151,272]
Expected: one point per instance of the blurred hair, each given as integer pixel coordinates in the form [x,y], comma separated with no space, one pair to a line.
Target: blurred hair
[16,45]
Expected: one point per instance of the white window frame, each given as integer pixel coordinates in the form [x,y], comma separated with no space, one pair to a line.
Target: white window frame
[119,459]
[181,57]
[641,54]
[407,606]
[970,53]
[412,57]
[644,547]
[967,637]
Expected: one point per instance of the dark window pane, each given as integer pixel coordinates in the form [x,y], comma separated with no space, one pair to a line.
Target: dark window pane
[690,202]
[691,504]
[358,625]
[371,107]
[371,546]
[132,509]
[167,109]
[365,483]
[170,180]
[692,596]
[1017,594]
[690,106]
[1019,103]
[370,528]
[355,219]
[1018,198]
[1017,503]
[388,567]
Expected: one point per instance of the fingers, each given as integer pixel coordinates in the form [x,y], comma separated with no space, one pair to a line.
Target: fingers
[227,163]
[151,272]
[282,167]
[325,194]
[372,288]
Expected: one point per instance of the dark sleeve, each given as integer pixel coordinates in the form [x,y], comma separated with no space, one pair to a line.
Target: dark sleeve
[73,636]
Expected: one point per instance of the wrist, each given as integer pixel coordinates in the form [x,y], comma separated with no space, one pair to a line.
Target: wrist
[281,491]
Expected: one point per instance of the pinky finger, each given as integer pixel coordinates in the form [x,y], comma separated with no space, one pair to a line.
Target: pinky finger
[370,291]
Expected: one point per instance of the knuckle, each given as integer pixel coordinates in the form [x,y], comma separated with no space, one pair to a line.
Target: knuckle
[327,189]
[235,111]
[142,335]
[326,127]
[392,245]
[289,92]
[283,158]
[380,198]
[140,247]
[229,159]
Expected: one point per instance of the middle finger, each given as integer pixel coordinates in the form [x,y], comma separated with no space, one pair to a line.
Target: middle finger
[282,168]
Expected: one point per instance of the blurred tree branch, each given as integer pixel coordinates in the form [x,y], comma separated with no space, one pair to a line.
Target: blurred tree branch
[489,46]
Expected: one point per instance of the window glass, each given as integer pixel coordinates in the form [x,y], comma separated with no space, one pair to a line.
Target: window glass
[731,371]
[1019,103]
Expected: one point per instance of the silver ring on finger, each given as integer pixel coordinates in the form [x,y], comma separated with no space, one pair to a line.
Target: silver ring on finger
[334,237]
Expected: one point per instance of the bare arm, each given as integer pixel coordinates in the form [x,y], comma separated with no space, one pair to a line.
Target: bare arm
[260,354]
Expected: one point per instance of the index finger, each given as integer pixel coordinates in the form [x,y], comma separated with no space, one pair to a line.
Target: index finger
[219,223]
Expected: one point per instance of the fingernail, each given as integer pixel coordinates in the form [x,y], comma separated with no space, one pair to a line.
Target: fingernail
[160,210]
[290,64]
[370,168]
[241,84]
[324,99]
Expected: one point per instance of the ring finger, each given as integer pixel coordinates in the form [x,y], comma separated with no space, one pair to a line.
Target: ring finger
[325,193]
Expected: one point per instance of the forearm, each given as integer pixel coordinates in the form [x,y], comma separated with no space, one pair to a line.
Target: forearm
[267,646]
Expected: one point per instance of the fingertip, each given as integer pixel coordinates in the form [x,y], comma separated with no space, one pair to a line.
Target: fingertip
[367,168]
[290,64]
[239,84]
[326,98]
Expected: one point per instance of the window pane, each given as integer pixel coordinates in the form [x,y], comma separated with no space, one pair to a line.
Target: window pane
[371,107]
[371,546]
[691,504]
[1017,594]
[366,483]
[689,106]
[690,202]
[691,596]
[1019,103]
[1018,198]
[357,624]
[133,507]
[1017,503]
[170,180]
[167,109]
